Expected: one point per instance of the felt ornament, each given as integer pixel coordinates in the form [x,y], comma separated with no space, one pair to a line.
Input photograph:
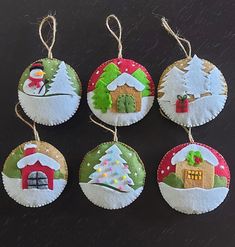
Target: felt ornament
[35,173]
[112,175]
[191,91]
[120,91]
[49,90]
[193,178]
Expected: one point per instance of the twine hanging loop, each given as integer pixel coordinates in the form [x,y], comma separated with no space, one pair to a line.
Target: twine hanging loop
[51,21]
[117,37]
[114,132]
[32,126]
[179,39]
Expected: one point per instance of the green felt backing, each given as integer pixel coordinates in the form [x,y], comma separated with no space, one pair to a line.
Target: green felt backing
[133,160]
[50,68]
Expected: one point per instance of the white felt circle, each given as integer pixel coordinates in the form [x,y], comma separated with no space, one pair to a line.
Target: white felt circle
[204,85]
[34,178]
[120,92]
[53,104]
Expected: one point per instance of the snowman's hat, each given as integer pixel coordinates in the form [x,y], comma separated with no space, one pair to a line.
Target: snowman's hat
[37,65]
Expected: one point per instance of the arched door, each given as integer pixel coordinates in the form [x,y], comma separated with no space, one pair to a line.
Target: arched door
[126,103]
[37,180]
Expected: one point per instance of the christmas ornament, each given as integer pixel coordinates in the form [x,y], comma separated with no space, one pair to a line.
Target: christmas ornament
[193,178]
[112,175]
[49,90]
[191,91]
[120,91]
[35,173]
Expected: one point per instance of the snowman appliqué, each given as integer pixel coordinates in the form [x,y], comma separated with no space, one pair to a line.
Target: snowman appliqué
[35,85]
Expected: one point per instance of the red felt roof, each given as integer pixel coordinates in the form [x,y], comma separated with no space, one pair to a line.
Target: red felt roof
[165,167]
[124,65]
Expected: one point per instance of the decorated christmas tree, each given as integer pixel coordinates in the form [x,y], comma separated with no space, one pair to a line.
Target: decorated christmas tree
[173,85]
[61,83]
[195,77]
[112,171]
[102,98]
[215,82]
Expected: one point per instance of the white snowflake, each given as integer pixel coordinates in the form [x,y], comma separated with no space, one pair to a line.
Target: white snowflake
[222,167]
[168,168]
[135,174]
[162,171]
[88,164]
[98,152]
[97,72]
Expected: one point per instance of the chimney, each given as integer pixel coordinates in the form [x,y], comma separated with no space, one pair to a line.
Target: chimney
[29,148]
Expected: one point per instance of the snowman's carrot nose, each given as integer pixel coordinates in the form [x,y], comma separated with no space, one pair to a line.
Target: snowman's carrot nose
[39,73]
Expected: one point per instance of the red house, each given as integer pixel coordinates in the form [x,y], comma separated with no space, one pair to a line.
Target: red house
[37,169]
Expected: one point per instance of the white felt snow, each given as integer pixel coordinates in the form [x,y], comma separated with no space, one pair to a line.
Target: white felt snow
[127,79]
[49,110]
[201,111]
[29,145]
[32,197]
[61,82]
[173,85]
[113,166]
[193,200]
[206,154]
[33,158]
[108,198]
[121,119]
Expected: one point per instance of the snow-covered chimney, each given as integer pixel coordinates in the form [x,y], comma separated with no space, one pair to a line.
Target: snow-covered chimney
[29,148]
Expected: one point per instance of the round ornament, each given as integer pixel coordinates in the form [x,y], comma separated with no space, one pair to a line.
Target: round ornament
[120,92]
[192,91]
[112,175]
[34,174]
[49,91]
[193,178]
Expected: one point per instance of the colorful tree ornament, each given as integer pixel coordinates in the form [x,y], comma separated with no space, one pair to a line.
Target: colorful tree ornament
[193,178]
[199,80]
[112,175]
[120,91]
[35,173]
[49,90]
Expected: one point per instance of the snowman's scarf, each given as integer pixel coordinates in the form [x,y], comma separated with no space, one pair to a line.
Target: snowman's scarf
[35,82]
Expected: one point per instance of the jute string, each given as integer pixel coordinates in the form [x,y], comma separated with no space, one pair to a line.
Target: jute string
[114,132]
[51,21]
[188,130]
[179,39]
[119,37]
[32,126]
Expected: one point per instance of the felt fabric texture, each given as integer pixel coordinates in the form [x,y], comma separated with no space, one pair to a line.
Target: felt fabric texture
[58,97]
[112,175]
[20,166]
[204,85]
[114,78]
[207,183]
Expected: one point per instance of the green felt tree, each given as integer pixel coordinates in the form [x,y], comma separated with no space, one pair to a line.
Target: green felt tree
[142,77]
[101,97]
[173,181]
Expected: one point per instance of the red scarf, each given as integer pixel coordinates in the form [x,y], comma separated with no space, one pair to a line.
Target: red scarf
[35,82]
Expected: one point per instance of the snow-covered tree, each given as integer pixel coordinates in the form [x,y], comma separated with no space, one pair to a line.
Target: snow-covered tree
[195,77]
[61,83]
[215,81]
[112,171]
[173,85]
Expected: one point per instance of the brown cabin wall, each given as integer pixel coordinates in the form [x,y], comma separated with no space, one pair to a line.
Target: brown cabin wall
[208,173]
[125,89]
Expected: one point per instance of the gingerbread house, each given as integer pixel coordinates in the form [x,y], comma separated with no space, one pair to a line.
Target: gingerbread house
[126,94]
[37,169]
[199,175]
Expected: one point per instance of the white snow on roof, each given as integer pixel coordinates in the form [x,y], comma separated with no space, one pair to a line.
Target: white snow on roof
[29,145]
[123,79]
[42,158]
[205,152]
